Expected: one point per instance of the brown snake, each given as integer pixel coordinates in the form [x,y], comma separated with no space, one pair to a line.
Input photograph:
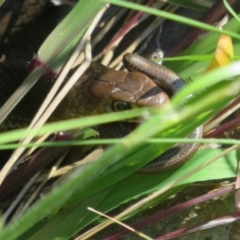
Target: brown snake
[103,90]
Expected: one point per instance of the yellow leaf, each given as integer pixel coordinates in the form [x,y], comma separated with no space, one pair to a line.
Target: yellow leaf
[223,54]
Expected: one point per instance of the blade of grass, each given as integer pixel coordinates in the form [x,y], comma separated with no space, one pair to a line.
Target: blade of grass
[173,17]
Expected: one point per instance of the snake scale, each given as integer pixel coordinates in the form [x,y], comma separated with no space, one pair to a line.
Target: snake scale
[100,90]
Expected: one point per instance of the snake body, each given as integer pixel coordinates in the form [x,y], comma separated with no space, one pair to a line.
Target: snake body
[95,93]
[171,83]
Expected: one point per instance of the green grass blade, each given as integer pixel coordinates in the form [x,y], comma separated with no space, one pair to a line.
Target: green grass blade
[173,17]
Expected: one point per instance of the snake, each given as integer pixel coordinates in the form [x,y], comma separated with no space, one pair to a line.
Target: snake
[102,90]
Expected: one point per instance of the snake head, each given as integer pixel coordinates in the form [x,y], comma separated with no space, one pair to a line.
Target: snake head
[124,90]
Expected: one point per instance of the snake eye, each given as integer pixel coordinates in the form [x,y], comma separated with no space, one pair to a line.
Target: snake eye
[121,106]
